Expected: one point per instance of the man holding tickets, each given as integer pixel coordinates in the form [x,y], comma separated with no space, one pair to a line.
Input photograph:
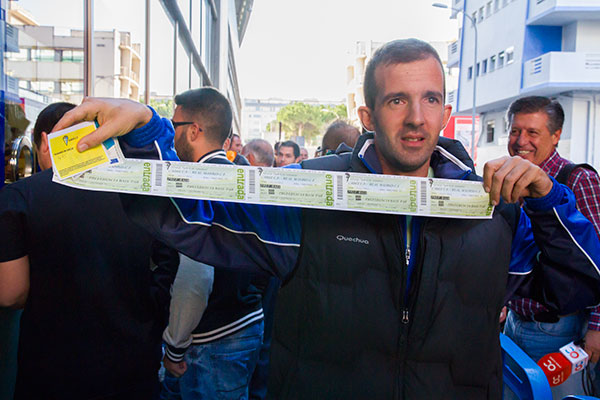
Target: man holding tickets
[373,305]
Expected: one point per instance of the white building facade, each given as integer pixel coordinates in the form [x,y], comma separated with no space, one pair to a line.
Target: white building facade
[530,47]
[52,64]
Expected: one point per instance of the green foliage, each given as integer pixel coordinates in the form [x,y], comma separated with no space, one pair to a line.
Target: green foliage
[164,108]
[301,119]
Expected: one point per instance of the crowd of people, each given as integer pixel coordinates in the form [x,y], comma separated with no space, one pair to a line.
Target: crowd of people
[239,301]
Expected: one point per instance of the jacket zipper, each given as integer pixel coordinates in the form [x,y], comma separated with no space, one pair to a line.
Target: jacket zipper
[405,313]
[407,304]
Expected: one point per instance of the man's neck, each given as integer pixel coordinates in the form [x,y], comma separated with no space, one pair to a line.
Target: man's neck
[201,150]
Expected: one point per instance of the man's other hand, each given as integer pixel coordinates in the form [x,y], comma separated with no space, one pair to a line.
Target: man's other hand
[503,314]
[512,178]
[115,116]
[177,369]
[592,345]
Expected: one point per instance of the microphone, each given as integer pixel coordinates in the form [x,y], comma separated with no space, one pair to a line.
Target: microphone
[558,366]
[576,355]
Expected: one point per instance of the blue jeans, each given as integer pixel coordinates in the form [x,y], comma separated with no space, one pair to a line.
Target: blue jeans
[217,370]
[539,338]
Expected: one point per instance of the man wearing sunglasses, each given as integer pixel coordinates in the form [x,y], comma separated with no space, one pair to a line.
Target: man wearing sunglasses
[216,318]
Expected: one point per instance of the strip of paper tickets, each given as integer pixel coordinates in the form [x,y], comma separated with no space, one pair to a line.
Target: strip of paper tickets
[291,187]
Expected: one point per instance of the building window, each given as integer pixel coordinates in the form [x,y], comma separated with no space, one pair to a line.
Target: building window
[71,87]
[474,16]
[489,130]
[504,3]
[496,5]
[42,86]
[510,55]
[488,9]
[477,70]
[42,54]
[481,14]
[72,56]
[484,67]
[470,73]
[500,59]
[492,63]
[22,55]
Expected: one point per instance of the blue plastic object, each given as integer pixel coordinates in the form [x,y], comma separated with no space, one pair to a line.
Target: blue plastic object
[575,397]
[521,374]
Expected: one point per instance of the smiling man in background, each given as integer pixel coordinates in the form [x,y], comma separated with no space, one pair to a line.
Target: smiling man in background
[535,127]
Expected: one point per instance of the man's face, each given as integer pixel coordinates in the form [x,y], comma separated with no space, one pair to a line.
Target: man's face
[303,154]
[182,145]
[408,116]
[285,156]
[530,138]
[236,144]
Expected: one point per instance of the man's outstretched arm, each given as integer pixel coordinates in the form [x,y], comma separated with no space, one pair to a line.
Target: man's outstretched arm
[555,254]
[250,237]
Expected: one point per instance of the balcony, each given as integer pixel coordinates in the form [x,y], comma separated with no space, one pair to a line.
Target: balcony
[562,12]
[562,71]
[457,5]
[45,70]
[453,54]
[130,75]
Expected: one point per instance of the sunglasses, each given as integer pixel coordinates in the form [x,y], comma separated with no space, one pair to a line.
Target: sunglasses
[176,124]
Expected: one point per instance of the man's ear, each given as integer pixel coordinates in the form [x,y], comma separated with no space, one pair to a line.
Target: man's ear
[447,115]
[43,152]
[365,114]
[556,137]
[194,132]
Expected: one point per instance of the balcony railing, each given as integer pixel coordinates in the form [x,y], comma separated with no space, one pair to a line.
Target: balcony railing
[128,73]
[45,70]
[561,12]
[567,70]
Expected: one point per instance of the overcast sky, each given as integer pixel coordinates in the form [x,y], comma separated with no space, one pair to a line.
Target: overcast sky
[292,49]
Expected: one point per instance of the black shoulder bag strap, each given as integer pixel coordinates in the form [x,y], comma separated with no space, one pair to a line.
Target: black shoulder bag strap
[567,170]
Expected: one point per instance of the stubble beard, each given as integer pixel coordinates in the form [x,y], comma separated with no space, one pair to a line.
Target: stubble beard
[184,149]
[387,150]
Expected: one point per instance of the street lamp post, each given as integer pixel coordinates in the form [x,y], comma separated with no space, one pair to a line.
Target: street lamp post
[474,25]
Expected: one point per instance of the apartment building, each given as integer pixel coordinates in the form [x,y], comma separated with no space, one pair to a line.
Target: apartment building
[530,47]
[52,64]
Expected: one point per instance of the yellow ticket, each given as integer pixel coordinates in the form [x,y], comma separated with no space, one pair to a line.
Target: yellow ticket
[67,161]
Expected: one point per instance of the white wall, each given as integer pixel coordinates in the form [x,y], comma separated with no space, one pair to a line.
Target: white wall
[493,37]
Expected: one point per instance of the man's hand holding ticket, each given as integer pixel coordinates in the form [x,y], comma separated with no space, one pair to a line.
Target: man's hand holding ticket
[67,161]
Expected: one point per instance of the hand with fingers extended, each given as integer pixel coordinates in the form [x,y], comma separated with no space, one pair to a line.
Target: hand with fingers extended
[514,177]
[116,117]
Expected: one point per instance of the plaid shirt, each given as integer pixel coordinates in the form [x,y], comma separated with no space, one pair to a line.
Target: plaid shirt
[586,186]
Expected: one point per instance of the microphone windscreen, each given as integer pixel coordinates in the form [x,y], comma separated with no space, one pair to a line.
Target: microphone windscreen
[556,367]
